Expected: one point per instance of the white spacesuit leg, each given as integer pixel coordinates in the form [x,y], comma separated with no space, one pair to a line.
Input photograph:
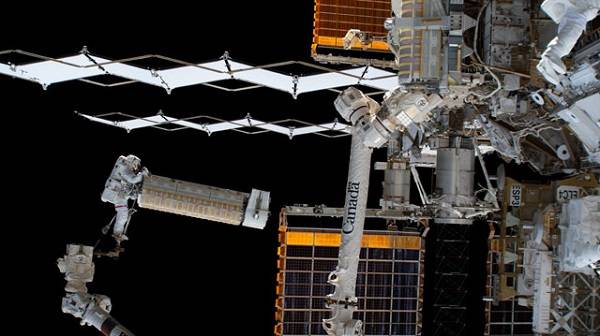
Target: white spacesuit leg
[120,221]
[571,26]
[570,29]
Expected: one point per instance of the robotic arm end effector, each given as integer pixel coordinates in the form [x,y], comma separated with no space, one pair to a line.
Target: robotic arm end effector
[78,267]
[402,110]
[353,105]
[93,309]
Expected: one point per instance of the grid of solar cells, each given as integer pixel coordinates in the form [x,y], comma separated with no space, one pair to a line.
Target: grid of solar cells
[509,318]
[335,17]
[387,290]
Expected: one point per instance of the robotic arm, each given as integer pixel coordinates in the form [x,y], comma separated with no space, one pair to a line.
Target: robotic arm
[572,17]
[358,109]
[92,309]
[401,110]
[373,127]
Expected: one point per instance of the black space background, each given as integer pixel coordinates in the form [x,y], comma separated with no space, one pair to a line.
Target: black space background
[178,276]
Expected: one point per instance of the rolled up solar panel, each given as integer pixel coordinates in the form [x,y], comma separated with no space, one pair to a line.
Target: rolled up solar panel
[193,199]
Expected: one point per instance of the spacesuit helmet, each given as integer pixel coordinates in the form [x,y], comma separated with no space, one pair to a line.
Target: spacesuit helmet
[556,9]
[133,162]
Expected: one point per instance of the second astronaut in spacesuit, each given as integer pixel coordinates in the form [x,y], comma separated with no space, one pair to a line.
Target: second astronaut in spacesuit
[123,185]
[571,17]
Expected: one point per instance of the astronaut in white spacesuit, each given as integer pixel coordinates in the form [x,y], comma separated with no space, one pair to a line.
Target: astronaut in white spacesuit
[122,185]
[572,17]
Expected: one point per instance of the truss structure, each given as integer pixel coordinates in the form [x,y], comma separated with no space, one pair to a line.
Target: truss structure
[575,304]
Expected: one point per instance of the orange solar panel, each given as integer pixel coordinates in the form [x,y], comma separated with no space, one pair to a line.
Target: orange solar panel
[333,19]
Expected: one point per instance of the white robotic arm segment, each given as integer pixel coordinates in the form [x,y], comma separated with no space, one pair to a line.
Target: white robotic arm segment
[77,267]
[375,124]
[77,304]
[402,110]
[353,105]
[343,301]
[93,310]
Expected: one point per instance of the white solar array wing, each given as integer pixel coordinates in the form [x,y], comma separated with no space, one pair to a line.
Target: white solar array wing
[375,78]
[324,81]
[131,72]
[308,129]
[372,77]
[133,123]
[381,79]
[189,124]
[102,121]
[323,127]
[227,125]
[84,65]
[263,77]
[157,120]
[49,72]
[274,128]
[6,69]
[190,75]
[336,126]
[144,122]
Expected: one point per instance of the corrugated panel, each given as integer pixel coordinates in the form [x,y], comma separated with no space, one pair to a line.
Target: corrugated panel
[333,19]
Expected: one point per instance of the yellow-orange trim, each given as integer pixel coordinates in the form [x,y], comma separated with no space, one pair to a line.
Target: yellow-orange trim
[369,240]
[338,42]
